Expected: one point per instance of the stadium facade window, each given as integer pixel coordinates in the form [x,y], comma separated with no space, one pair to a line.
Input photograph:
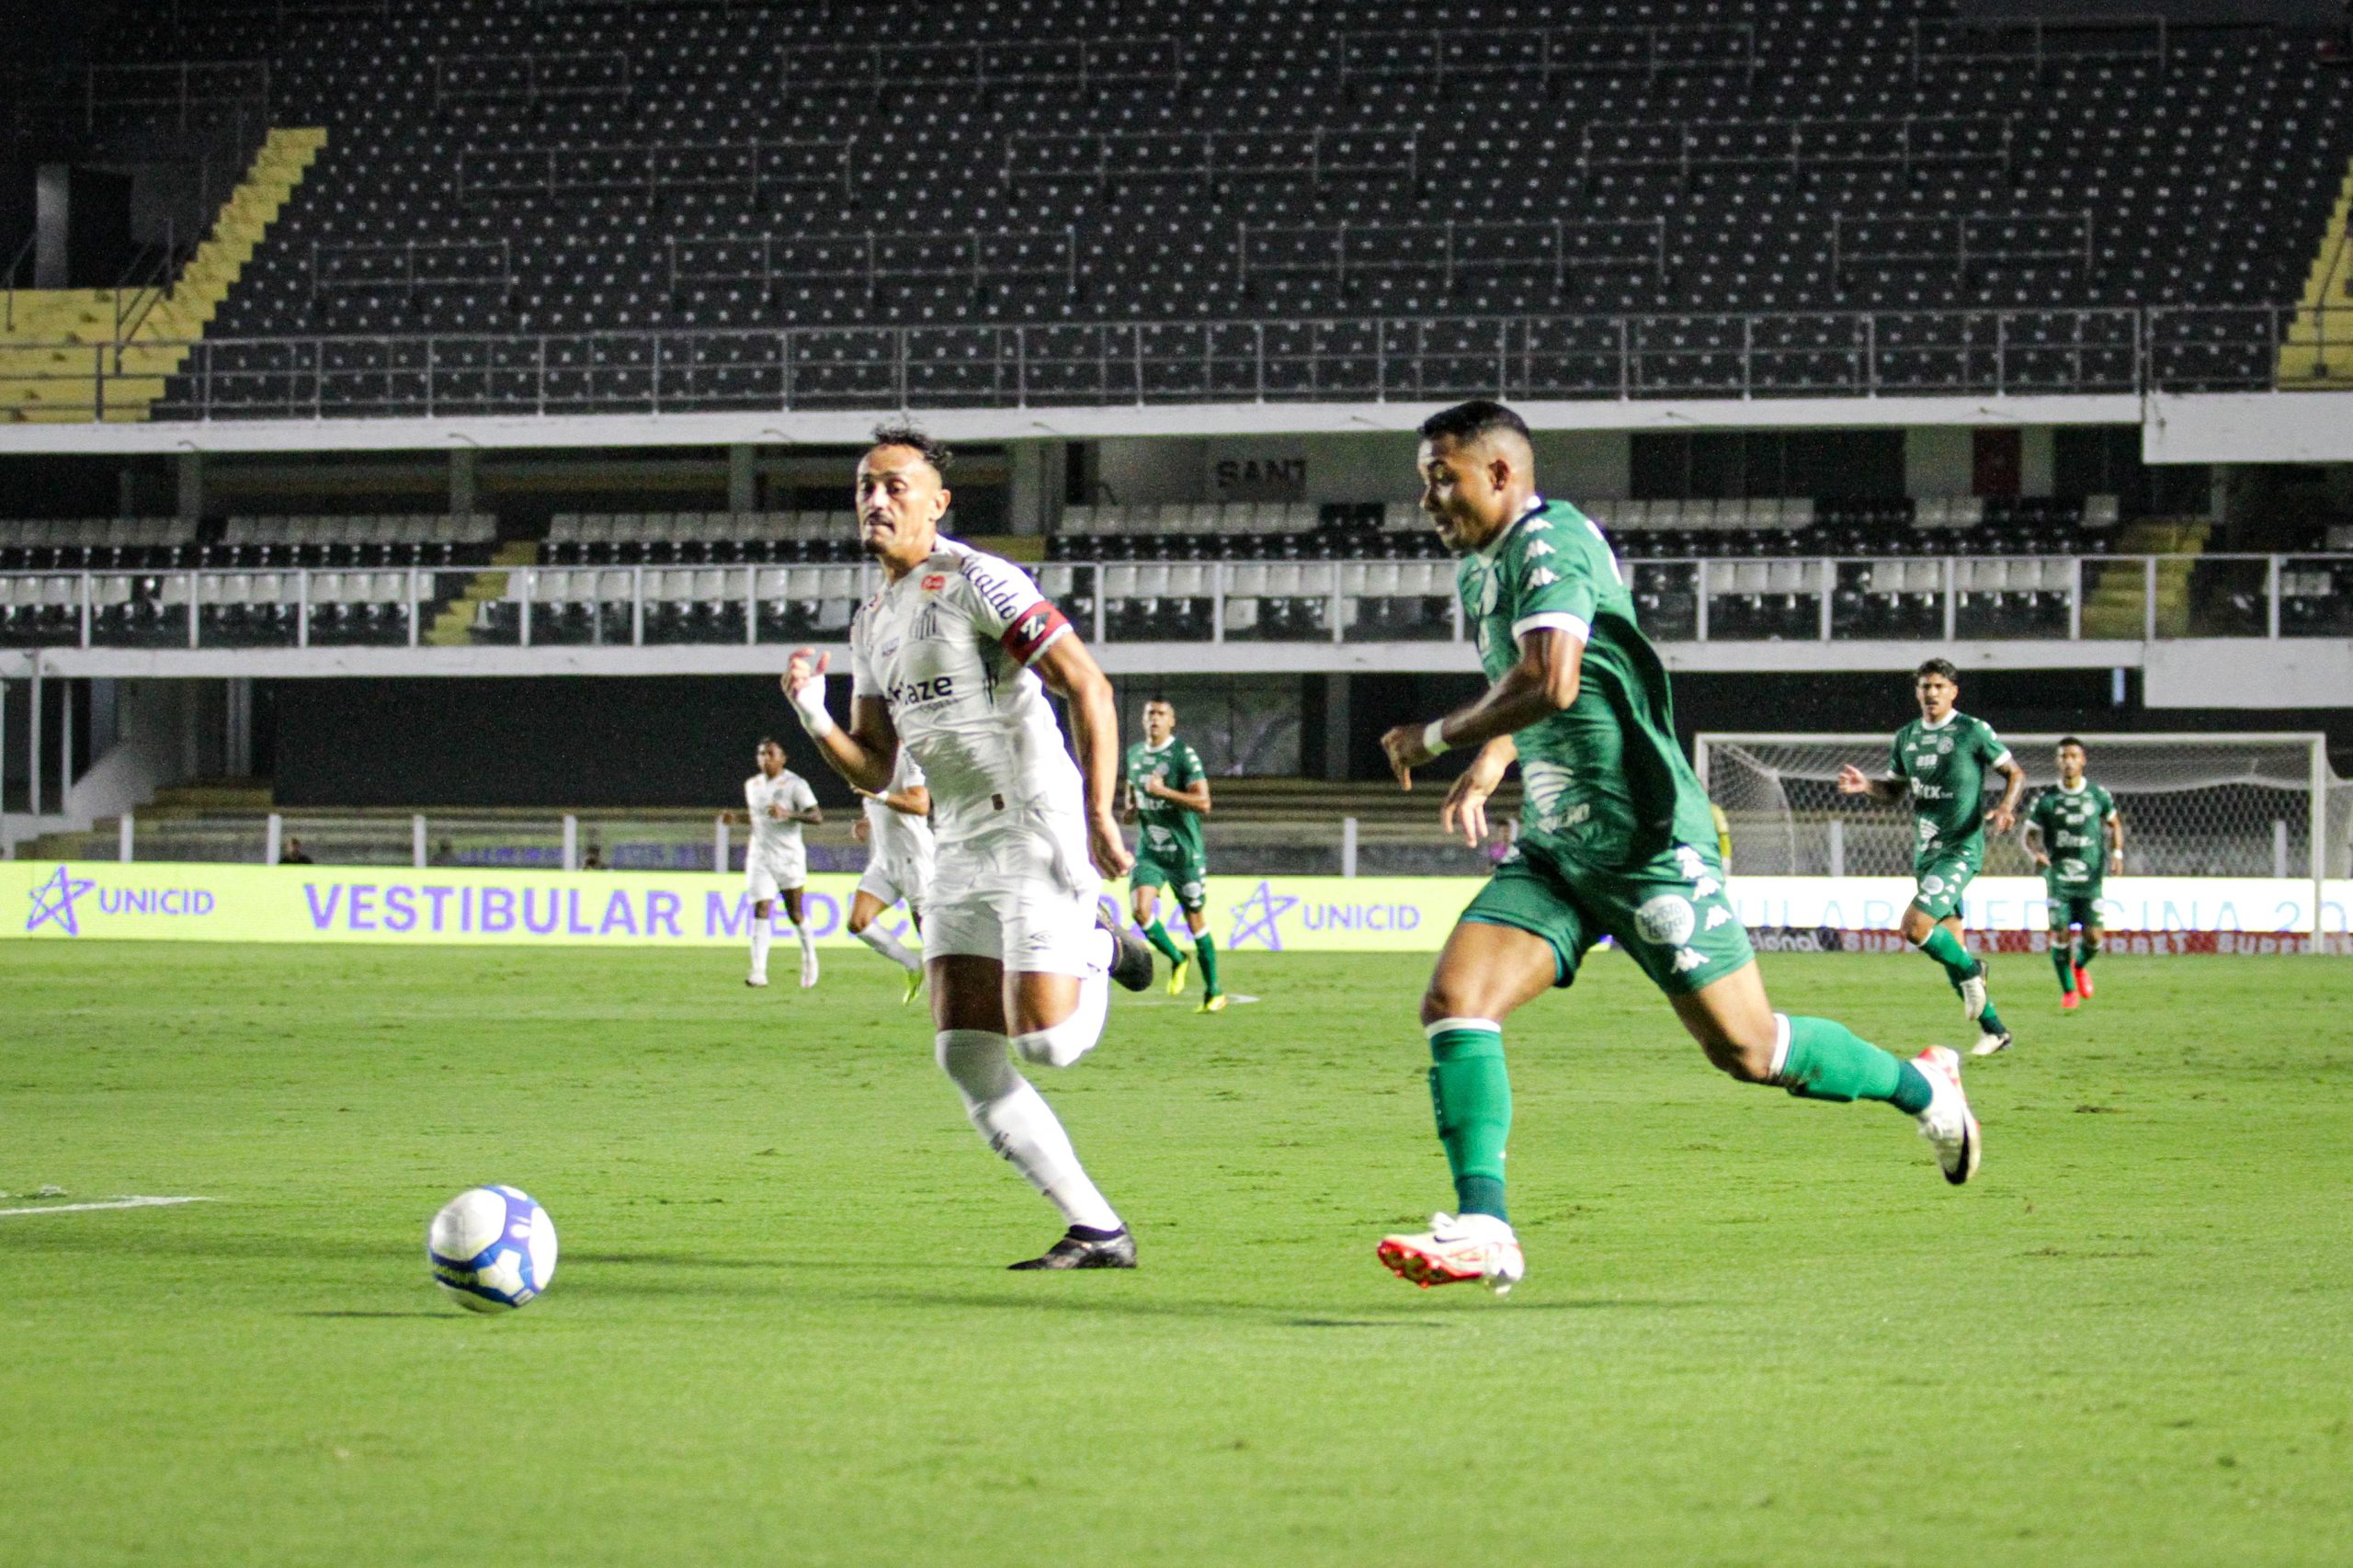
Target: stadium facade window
[1765,464]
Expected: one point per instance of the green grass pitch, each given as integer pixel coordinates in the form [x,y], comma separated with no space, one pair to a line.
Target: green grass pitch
[1754,1330]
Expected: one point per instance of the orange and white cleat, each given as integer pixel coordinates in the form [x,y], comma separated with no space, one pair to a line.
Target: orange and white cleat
[2083,983]
[1948,1124]
[1456,1250]
[2070,1002]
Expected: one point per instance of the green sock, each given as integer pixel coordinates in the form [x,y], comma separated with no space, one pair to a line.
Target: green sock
[1470,1092]
[1157,934]
[2086,949]
[2060,961]
[1827,1061]
[1990,1021]
[1205,954]
[1946,948]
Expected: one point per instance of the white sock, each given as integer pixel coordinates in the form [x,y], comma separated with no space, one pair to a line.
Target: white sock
[890,947]
[761,935]
[1065,1042]
[1007,1111]
[808,942]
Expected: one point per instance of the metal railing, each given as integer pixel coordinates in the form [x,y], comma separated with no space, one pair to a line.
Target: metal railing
[1653,49]
[533,77]
[1207,157]
[408,265]
[1680,599]
[1077,62]
[1367,359]
[978,255]
[1965,241]
[653,167]
[1449,248]
[1907,143]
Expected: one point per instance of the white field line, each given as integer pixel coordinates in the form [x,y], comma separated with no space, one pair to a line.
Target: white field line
[109,1203]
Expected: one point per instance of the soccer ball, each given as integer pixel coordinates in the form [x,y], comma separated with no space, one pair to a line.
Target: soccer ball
[491,1248]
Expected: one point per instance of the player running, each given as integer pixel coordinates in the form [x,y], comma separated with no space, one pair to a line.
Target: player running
[1168,793]
[1940,760]
[2075,836]
[896,830]
[777,802]
[1614,839]
[953,659]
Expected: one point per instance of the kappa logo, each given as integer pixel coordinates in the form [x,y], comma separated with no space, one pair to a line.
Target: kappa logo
[1542,576]
[1688,959]
[1705,887]
[53,902]
[1716,918]
[1536,547]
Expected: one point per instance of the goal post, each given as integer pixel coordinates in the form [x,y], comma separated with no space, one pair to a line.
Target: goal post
[2193,805]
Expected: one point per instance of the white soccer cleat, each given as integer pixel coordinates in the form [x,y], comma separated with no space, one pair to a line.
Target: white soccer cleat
[1455,1250]
[1991,1044]
[755,979]
[1972,993]
[808,969]
[1948,1124]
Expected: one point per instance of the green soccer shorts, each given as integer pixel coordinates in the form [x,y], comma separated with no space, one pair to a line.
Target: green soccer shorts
[2074,907]
[1942,877]
[1669,914]
[1184,878]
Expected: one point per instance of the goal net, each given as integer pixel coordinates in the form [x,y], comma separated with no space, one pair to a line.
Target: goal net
[2248,805]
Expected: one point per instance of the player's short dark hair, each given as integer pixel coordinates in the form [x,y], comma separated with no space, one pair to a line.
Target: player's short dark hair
[1936,667]
[934,452]
[2066,741]
[1163,702]
[1472,421]
[769,741]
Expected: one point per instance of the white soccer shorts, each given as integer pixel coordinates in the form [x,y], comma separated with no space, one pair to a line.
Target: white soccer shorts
[887,884]
[1023,894]
[766,874]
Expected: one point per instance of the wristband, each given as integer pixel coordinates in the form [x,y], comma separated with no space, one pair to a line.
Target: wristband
[809,704]
[1434,738]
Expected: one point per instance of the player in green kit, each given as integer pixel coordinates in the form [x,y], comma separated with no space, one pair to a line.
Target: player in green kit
[2075,834]
[1614,839]
[1940,760]
[1168,794]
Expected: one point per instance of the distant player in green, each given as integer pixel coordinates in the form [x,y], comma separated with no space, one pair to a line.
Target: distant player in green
[1168,794]
[2073,834]
[1939,761]
[1616,839]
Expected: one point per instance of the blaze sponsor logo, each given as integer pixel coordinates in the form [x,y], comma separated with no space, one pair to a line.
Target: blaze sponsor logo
[916,693]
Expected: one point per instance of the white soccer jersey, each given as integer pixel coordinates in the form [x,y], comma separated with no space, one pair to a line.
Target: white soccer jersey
[900,844]
[948,647]
[788,790]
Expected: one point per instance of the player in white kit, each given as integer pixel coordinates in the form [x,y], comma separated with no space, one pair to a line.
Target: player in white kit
[952,659]
[896,831]
[776,801]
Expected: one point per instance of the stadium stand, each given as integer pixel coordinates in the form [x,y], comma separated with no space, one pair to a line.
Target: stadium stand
[583,205]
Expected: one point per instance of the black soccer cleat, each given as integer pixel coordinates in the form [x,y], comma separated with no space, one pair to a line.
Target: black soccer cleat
[1131,958]
[1116,1250]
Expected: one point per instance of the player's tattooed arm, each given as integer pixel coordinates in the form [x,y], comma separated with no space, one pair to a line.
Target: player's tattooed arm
[1071,673]
[1853,780]
[1542,682]
[2004,814]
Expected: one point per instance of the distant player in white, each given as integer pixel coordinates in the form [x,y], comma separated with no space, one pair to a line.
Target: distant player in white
[896,831]
[953,658]
[776,801]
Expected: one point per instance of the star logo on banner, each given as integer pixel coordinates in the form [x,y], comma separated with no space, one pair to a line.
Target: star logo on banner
[1257,915]
[53,903]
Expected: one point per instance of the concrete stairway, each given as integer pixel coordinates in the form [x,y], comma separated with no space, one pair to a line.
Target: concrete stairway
[2318,352]
[60,359]
[2116,592]
[453,624]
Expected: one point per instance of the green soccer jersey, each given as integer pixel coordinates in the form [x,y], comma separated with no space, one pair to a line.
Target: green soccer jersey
[2074,826]
[1603,781]
[1946,768]
[1171,832]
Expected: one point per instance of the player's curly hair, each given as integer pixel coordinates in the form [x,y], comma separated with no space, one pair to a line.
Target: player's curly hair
[934,450]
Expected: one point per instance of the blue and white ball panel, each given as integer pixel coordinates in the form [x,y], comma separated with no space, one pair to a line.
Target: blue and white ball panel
[491,1248]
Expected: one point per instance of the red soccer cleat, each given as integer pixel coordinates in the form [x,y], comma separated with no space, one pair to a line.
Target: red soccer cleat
[2070,1002]
[2083,981]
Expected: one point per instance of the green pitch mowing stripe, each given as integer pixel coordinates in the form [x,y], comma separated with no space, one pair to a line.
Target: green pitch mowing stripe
[1754,1330]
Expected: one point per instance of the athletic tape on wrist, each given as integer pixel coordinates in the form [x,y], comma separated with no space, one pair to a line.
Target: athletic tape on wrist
[1434,738]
